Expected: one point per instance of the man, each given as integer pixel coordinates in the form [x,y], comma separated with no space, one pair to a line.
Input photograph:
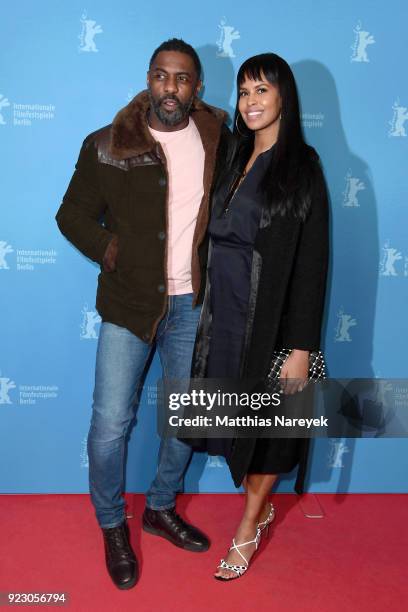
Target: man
[138,204]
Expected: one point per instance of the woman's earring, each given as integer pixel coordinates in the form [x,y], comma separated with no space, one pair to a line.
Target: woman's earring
[237,127]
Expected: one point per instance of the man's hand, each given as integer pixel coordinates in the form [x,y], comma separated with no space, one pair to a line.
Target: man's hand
[109,259]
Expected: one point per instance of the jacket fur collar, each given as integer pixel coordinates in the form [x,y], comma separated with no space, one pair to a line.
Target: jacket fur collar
[130,135]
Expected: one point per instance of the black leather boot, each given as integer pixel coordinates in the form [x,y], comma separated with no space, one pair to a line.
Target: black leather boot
[120,559]
[168,524]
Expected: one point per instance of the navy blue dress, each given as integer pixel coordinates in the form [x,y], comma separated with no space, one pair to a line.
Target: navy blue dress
[232,230]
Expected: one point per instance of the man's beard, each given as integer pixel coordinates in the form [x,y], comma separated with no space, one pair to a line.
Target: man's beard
[174,117]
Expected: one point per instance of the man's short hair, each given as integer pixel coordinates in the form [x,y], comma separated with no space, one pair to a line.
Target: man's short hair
[177,44]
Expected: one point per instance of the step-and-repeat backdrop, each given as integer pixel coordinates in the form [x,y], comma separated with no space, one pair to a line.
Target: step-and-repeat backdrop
[66,69]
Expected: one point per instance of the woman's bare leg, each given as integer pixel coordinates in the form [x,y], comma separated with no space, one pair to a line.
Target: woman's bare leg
[266,509]
[257,487]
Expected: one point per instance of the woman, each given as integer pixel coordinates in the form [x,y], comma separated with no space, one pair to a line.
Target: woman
[266,278]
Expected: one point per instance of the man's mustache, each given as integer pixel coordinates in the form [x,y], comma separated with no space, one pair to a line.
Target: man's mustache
[169,97]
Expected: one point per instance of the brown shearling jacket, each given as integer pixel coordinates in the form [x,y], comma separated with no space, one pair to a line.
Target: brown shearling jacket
[120,188]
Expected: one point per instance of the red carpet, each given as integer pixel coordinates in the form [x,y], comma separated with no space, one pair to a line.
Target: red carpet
[354,559]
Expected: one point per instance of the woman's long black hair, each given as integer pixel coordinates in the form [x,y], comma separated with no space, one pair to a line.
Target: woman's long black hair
[287,181]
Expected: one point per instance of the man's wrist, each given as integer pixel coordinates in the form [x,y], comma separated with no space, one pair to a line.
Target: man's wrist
[111,251]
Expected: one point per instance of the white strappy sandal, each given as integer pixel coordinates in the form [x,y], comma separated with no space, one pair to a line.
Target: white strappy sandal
[239,569]
[265,524]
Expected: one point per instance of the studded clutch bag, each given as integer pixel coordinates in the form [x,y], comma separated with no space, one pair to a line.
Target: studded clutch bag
[317,365]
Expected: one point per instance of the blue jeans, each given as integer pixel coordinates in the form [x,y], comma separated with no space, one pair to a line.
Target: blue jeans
[120,363]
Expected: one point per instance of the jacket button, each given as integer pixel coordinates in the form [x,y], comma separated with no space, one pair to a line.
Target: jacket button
[161,288]
[162,181]
[161,235]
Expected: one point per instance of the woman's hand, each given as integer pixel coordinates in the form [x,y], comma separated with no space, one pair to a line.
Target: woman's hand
[294,372]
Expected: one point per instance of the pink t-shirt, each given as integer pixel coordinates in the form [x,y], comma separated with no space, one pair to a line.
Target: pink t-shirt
[185,161]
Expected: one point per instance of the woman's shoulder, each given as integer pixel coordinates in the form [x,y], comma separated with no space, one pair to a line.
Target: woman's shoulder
[311,155]
[317,183]
[313,164]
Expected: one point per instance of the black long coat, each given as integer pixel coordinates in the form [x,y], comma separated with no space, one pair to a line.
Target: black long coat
[287,291]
